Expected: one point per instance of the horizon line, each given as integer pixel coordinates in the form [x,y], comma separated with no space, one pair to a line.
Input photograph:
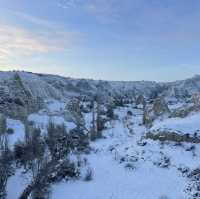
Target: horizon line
[93,79]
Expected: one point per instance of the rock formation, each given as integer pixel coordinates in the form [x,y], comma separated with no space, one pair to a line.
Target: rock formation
[159,109]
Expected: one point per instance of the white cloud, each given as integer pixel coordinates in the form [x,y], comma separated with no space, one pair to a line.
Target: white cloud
[45,38]
[15,40]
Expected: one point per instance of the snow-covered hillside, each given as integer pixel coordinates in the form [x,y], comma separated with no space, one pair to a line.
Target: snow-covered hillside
[52,86]
[89,139]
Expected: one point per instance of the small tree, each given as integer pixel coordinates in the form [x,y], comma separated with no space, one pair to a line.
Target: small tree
[5,170]
[3,125]
[50,164]
[97,120]
[74,108]
[5,163]
[30,152]
[110,112]
[57,140]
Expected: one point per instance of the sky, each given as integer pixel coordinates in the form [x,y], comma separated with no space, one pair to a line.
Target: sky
[102,39]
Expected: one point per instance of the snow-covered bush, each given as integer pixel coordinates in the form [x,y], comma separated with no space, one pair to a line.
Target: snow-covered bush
[79,140]
[184,170]
[47,158]
[130,166]
[57,140]
[88,175]
[31,150]
[163,162]
[110,112]
[10,131]
[193,188]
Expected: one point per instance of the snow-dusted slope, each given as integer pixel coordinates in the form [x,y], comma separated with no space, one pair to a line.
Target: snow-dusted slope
[187,125]
[53,86]
[125,165]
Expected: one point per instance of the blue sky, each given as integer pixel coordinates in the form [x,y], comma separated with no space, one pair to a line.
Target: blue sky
[102,39]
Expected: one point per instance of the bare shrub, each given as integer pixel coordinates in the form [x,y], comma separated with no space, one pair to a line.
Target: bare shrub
[89,175]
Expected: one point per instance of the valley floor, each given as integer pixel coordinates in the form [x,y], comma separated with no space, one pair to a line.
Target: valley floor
[124,170]
[125,166]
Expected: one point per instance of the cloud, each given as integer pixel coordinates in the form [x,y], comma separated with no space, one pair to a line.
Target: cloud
[16,40]
[19,41]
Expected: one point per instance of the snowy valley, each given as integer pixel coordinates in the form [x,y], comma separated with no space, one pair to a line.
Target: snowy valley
[87,139]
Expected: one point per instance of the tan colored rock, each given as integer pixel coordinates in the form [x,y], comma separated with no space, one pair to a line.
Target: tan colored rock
[140,100]
[196,99]
[172,136]
[185,110]
[160,107]
[148,117]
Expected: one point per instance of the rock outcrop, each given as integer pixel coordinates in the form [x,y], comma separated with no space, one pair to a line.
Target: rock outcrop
[186,109]
[172,136]
[159,109]
[140,101]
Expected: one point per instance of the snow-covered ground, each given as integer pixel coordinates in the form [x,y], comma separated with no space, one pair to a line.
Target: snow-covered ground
[18,131]
[16,185]
[53,113]
[125,170]
[124,164]
[188,125]
[111,180]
